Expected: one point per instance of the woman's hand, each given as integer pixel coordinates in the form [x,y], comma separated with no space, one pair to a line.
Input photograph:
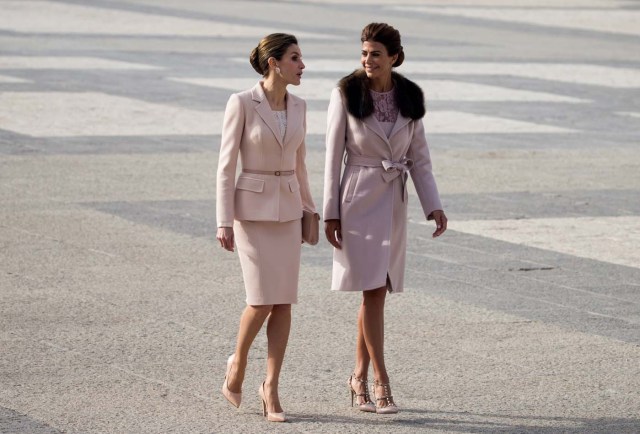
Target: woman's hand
[225,236]
[441,222]
[333,232]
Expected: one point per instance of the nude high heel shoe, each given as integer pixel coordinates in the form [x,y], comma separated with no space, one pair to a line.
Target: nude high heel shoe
[233,397]
[367,405]
[389,406]
[271,417]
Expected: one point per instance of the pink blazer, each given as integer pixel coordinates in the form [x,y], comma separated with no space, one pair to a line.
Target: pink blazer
[251,130]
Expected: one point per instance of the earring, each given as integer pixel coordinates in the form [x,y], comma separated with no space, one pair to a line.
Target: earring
[277,70]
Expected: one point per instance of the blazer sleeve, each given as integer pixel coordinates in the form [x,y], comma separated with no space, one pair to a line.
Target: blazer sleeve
[301,170]
[421,173]
[232,130]
[335,147]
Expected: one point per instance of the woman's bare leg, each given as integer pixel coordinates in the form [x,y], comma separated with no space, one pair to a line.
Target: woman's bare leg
[373,331]
[278,328]
[361,370]
[251,322]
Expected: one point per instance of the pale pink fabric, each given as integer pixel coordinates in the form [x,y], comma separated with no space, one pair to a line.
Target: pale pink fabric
[265,210]
[250,131]
[269,255]
[372,213]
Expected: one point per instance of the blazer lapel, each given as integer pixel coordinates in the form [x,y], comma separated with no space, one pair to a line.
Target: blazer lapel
[294,118]
[265,112]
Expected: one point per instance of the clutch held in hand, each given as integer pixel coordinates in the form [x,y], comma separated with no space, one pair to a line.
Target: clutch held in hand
[310,227]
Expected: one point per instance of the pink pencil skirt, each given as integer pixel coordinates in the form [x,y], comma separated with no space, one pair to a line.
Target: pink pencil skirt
[270,259]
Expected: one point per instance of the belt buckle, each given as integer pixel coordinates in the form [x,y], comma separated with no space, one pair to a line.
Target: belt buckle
[277,173]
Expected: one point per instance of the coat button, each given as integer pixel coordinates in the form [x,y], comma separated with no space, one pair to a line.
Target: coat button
[277,173]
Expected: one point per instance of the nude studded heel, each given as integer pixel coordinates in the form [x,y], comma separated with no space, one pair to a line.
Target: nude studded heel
[388,407]
[367,405]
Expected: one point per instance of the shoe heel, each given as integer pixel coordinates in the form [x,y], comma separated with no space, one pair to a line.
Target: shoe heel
[367,405]
[264,402]
[351,392]
[271,417]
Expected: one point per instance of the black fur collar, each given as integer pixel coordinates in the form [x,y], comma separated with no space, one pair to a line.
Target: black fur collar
[355,88]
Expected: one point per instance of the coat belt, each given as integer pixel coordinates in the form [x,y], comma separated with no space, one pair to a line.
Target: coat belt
[391,169]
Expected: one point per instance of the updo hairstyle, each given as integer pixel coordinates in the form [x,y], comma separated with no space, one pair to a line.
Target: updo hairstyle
[273,45]
[387,36]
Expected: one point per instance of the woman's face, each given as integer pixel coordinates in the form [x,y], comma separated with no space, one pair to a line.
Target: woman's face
[291,65]
[376,60]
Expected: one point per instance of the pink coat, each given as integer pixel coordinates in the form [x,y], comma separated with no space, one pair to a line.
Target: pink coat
[251,131]
[370,202]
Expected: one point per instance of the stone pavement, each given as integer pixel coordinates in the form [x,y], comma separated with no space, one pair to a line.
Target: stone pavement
[118,309]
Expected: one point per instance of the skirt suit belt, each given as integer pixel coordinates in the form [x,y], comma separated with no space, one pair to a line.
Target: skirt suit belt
[270,172]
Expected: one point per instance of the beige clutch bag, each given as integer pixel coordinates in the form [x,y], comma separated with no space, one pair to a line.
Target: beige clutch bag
[310,227]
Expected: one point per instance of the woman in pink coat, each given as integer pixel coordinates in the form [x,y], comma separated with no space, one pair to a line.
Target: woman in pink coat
[375,127]
[260,212]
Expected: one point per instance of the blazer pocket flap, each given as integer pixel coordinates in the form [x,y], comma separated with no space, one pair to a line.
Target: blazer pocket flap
[250,184]
[293,185]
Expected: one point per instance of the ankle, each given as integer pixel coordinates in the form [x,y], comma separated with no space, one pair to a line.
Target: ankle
[239,362]
[271,387]
[271,397]
[381,379]
[381,389]
[359,384]
[359,376]
[268,386]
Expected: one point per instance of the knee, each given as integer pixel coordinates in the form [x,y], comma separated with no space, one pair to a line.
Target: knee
[261,310]
[374,296]
[281,309]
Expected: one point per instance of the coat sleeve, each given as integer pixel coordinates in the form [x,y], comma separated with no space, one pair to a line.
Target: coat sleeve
[301,170]
[335,147]
[421,173]
[232,129]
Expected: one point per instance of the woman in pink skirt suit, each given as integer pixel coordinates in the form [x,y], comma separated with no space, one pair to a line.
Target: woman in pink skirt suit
[260,212]
[375,127]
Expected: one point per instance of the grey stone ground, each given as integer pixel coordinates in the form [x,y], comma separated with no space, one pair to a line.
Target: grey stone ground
[118,310]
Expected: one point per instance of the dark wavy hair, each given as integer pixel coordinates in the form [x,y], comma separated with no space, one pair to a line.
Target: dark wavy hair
[387,36]
[273,45]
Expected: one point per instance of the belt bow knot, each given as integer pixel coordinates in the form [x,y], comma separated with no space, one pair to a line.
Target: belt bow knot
[390,169]
[393,169]
[397,167]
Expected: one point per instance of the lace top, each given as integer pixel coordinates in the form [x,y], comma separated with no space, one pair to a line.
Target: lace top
[281,117]
[385,109]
